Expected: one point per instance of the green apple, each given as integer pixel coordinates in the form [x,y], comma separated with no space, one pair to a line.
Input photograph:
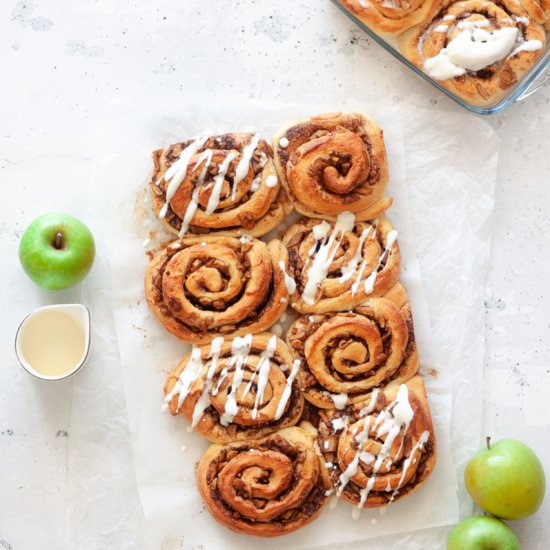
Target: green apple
[56,251]
[506,479]
[482,533]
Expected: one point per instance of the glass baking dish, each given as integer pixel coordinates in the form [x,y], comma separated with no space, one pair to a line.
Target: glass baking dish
[531,81]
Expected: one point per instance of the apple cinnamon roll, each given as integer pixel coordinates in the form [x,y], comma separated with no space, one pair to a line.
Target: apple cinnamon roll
[346,355]
[394,16]
[218,184]
[340,264]
[231,390]
[333,163]
[477,49]
[203,287]
[266,487]
[379,450]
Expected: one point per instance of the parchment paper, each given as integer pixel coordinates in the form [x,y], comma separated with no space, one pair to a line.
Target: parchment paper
[164,451]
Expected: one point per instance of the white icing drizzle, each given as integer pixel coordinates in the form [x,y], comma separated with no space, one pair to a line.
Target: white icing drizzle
[370,281]
[283,142]
[244,164]
[262,371]
[272,181]
[475,48]
[245,239]
[522,20]
[366,457]
[364,3]
[401,417]
[528,46]
[203,402]
[185,380]
[349,269]
[351,469]
[177,171]
[340,423]
[240,349]
[289,281]
[288,389]
[263,159]
[372,403]
[194,203]
[340,400]
[318,271]
[394,418]
[406,464]
[277,330]
[214,199]
[320,231]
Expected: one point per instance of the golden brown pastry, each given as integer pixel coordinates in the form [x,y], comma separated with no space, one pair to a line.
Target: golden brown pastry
[393,16]
[265,487]
[339,265]
[477,49]
[237,389]
[203,287]
[379,450]
[333,163]
[346,355]
[218,184]
[539,11]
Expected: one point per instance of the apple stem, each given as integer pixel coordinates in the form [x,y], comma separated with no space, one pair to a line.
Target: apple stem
[488,440]
[59,241]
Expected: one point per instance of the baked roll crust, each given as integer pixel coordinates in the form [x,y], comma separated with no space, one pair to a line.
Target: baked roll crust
[539,11]
[333,163]
[231,390]
[203,287]
[391,17]
[481,22]
[380,449]
[340,264]
[346,355]
[265,487]
[222,184]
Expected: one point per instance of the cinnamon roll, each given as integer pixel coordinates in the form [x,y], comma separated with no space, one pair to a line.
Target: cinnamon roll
[237,389]
[333,163]
[346,355]
[203,287]
[393,16]
[380,450]
[477,49]
[218,184]
[340,264]
[265,487]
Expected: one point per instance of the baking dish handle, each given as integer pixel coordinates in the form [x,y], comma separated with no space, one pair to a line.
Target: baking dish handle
[542,80]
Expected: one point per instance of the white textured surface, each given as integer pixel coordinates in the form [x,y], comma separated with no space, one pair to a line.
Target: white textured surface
[61,63]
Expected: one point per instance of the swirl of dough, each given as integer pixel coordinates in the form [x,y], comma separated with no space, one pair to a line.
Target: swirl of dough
[266,487]
[203,287]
